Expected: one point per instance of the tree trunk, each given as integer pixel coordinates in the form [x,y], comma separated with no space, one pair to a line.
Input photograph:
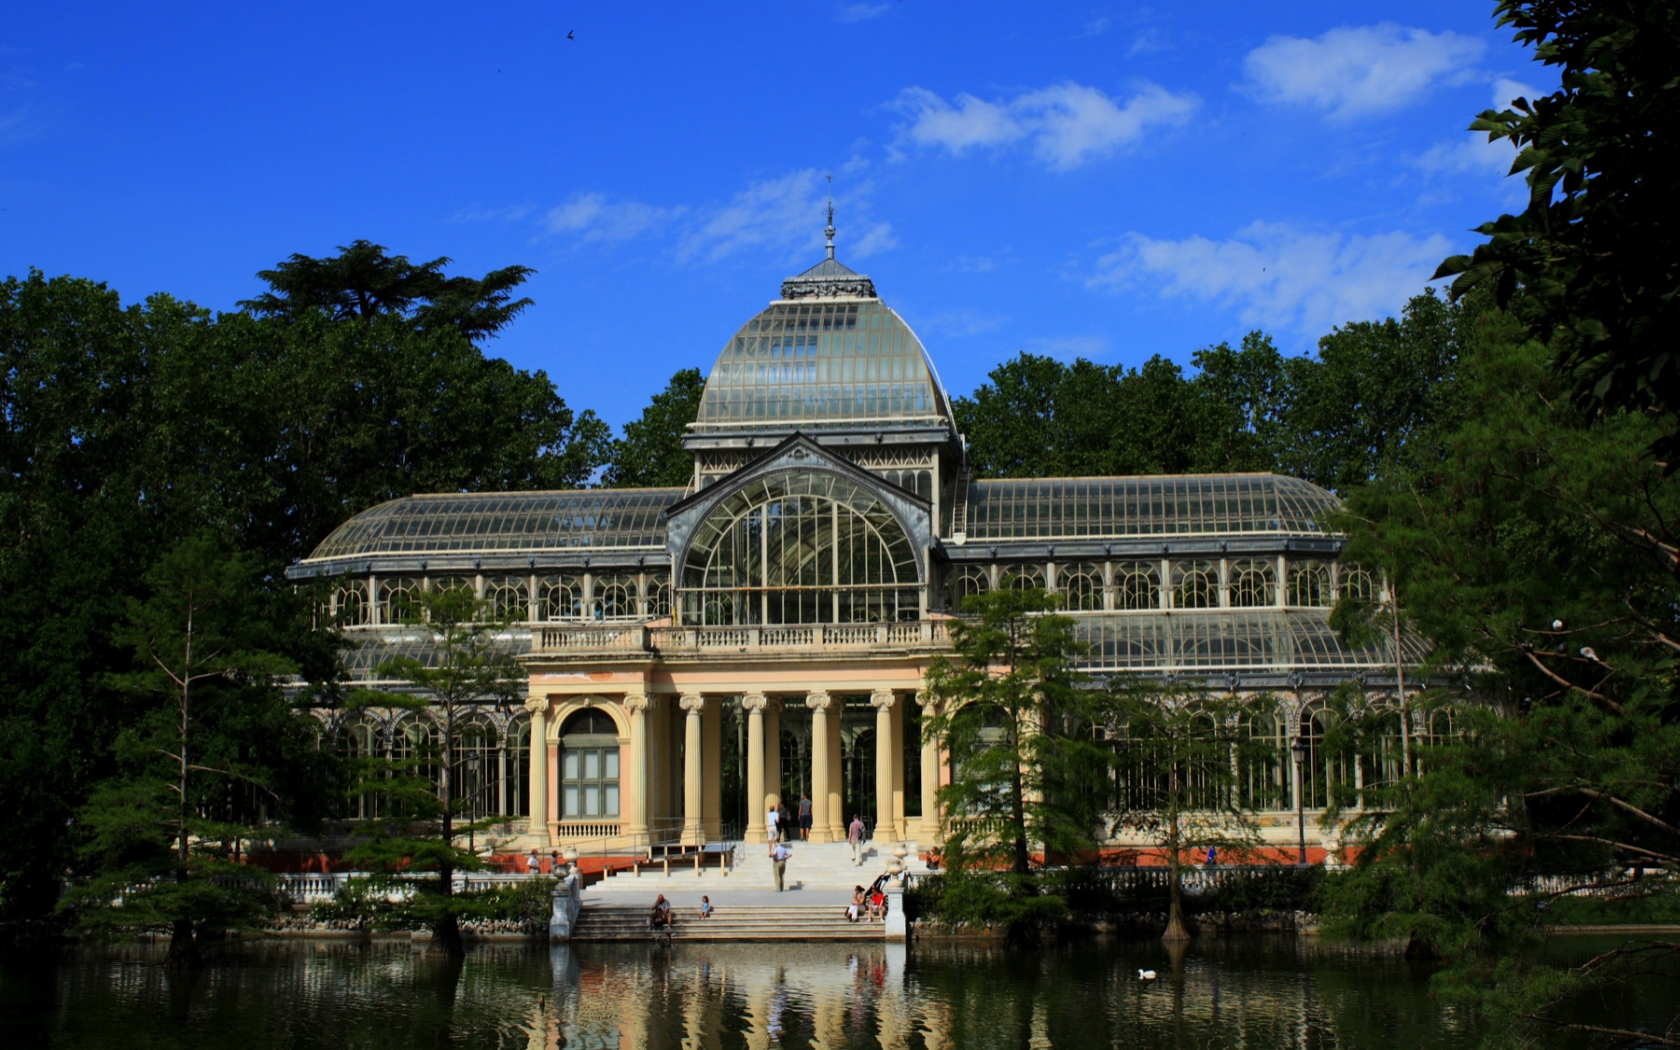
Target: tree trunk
[183,947]
[1175,892]
[446,932]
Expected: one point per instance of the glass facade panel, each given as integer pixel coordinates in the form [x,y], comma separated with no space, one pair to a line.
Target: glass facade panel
[509,597]
[1195,585]
[1197,641]
[1081,586]
[1137,585]
[1252,583]
[1309,585]
[800,548]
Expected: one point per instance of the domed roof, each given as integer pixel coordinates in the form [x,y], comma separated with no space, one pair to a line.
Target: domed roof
[828,355]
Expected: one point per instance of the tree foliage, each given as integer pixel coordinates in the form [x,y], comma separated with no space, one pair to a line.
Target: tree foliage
[1333,418]
[411,845]
[1592,263]
[1011,710]
[212,754]
[650,454]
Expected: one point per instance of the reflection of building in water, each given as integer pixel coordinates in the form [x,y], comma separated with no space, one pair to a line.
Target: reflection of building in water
[762,632]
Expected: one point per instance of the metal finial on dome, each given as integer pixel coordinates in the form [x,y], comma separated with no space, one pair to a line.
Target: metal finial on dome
[830,230]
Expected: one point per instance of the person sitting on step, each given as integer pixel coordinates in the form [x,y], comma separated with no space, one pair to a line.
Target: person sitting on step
[854,910]
[661,915]
[705,906]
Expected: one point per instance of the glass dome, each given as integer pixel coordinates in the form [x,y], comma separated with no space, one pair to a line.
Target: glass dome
[829,364]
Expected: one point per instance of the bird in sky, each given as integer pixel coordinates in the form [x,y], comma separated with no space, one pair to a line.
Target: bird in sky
[571,34]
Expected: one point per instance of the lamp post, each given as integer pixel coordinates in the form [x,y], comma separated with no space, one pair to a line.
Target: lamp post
[472,775]
[1299,747]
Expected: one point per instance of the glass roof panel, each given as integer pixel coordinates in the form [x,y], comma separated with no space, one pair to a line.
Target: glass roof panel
[822,365]
[1190,505]
[1257,640]
[515,521]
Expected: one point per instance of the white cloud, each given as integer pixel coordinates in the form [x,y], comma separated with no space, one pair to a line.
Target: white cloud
[512,213]
[1356,70]
[593,217]
[1278,276]
[785,215]
[1098,26]
[1473,154]
[1067,123]
[862,12]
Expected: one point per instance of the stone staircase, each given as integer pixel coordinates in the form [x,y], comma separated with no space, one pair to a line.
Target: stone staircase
[813,867]
[598,922]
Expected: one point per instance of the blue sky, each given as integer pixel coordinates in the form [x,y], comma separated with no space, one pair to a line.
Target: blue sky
[1102,180]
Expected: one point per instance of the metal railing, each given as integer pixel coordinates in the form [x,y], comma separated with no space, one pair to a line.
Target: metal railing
[699,641]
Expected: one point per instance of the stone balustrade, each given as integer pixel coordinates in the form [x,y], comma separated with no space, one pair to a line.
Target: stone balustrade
[703,642]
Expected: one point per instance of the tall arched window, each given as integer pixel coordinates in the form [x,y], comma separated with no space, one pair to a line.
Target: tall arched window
[1355,582]
[808,547]
[1081,586]
[350,603]
[560,597]
[361,740]
[1263,778]
[1325,767]
[589,766]
[963,583]
[1195,585]
[398,598]
[1136,584]
[451,583]
[476,781]
[658,595]
[1380,752]
[1251,583]
[1309,584]
[416,746]
[615,597]
[508,597]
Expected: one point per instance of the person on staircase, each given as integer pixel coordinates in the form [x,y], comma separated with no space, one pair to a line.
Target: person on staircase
[854,835]
[804,818]
[661,916]
[772,827]
[779,855]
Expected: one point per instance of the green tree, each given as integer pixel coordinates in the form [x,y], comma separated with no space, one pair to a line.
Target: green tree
[159,843]
[1596,252]
[1534,541]
[1180,751]
[363,282]
[411,845]
[650,454]
[1017,720]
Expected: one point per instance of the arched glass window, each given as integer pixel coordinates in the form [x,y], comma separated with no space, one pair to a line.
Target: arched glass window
[1309,584]
[361,740]
[1251,583]
[1081,586]
[398,598]
[477,777]
[1022,577]
[1355,582]
[350,603]
[615,598]
[808,547]
[964,582]
[416,746]
[1136,584]
[1263,778]
[1195,585]
[560,597]
[1323,767]
[658,596]
[508,597]
[518,747]
[452,583]
[1380,752]
[589,766]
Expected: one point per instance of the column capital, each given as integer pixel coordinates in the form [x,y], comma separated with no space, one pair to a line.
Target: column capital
[537,705]
[754,701]
[882,698]
[637,702]
[693,703]
[818,700]
[925,700]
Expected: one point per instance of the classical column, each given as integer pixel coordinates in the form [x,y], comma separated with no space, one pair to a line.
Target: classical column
[882,701]
[836,772]
[539,767]
[932,833]
[819,703]
[637,705]
[693,834]
[753,705]
[772,752]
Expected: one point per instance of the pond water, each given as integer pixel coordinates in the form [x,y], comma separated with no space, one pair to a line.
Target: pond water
[1253,991]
